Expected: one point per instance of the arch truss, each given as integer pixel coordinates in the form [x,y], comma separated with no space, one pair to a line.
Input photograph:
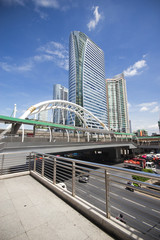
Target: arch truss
[86,118]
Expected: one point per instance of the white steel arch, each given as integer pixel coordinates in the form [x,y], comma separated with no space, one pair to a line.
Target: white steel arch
[86,117]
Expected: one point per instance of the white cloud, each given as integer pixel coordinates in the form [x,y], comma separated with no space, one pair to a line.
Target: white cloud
[134,69]
[51,52]
[156,109]
[42,58]
[56,52]
[46,3]
[41,14]
[129,105]
[145,116]
[38,3]
[143,109]
[14,2]
[14,68]
[149,104]
[93,22]
[153,126]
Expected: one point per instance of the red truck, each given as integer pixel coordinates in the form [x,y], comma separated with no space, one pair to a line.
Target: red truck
[135,163]
[139,163]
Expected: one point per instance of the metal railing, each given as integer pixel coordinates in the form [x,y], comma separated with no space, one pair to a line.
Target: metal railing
[102,187]
[15,162]
[71,137]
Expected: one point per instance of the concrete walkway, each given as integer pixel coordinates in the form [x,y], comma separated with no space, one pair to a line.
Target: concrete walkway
[29,211]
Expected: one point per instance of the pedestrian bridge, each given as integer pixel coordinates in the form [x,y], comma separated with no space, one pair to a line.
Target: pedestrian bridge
[89,126]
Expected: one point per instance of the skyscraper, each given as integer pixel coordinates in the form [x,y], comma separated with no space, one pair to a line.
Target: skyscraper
[87,86]
[60,93]
[43,116]
[117,104]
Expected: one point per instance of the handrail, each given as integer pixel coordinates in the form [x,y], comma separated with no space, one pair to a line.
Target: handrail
[105,192]
[106,167]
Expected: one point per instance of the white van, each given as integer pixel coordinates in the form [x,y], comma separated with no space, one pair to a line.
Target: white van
[150,165]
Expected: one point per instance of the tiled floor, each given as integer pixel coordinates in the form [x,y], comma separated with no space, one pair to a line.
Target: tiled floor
[29,211]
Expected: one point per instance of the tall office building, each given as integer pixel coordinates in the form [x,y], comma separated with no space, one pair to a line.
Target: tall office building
[117,104]
[87,86]
[60,93]
[43,116]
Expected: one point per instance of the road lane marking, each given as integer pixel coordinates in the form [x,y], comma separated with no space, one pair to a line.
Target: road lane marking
[81,190]
[103,190]
[155,210]
[133,202]
[123,212]
[97,179]
[93,185]
[157,228]
[114,194]
[98,199]
[147,224]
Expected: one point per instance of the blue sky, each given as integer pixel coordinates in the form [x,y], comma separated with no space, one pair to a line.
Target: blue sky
[34,39]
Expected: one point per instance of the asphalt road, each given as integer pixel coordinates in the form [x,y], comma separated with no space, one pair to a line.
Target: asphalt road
[139,210]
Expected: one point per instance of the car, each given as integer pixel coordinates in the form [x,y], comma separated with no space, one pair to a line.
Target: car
[129,186]
[84,178]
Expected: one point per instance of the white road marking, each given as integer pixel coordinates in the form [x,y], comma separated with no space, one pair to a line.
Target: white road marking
[123,212]
[157,228]
[98,199]
[103,190]
[133,202]
[93,185]
[114,194]
[97,179]
[147,224]
[155,210]
[81,190]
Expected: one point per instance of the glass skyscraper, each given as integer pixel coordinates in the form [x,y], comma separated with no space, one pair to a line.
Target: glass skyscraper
[87,86]
[117,104]
[60,93]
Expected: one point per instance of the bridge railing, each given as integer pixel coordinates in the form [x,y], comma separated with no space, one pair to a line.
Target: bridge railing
[15,162]
[101,187]
[106,190]
[64,136]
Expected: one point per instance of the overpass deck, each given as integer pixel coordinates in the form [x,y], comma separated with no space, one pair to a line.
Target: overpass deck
[64,147]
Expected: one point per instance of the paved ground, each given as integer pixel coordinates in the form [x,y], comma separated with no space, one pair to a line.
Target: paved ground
[29,211]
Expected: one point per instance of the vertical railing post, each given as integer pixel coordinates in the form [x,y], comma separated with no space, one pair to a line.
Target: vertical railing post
[35,157]
[29,167]
[2,164]
[107,193]
[42,166]
[54,171]
[73,179]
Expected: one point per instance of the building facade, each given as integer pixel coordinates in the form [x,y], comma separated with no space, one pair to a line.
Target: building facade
[117,104]
[43,116]
[141,133]
[60,93]
[87,86]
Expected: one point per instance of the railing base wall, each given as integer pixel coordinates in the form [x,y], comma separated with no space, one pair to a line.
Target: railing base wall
[108,225]
[12,175]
